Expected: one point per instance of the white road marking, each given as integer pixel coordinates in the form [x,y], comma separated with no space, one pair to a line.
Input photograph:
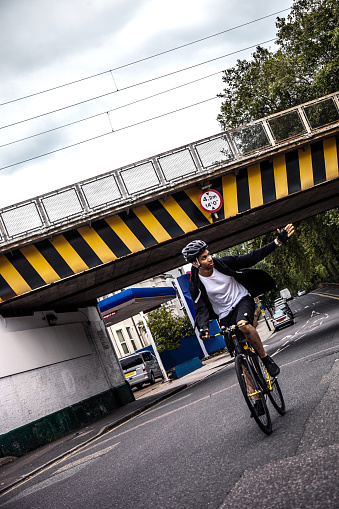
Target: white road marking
[170,403]
[62,473]
[90,457]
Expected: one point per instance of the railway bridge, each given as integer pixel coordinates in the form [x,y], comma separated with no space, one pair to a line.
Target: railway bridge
[61,251]
[65,249]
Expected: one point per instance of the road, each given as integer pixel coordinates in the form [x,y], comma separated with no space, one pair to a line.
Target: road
[201,449]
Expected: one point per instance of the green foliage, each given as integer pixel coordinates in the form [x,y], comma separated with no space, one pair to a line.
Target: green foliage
[168,329]
[305,66]
[309,257]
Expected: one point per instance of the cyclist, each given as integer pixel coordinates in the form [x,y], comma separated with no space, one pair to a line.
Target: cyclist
[220,289]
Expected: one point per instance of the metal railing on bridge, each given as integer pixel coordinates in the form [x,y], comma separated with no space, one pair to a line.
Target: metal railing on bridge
[125,186]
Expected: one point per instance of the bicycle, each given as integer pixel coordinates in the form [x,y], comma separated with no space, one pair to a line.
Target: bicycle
[256,384]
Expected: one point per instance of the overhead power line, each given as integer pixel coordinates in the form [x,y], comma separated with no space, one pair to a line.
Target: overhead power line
[90,117]
[106,134]
[132,86]
[142,59]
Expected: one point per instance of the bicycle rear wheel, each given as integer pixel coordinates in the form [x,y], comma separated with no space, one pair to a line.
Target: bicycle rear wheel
[253,394]
[271,385]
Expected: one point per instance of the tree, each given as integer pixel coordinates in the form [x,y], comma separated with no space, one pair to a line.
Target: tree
[305,66]
[309,257]
[168,329]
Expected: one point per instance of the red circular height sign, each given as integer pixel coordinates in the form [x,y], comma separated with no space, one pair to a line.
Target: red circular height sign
[210,200]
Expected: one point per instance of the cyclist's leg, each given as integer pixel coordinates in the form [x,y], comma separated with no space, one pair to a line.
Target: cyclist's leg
[252,337]
[244,316]
[272,386]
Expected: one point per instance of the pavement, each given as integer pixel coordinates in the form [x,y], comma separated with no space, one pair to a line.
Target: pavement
[15,470]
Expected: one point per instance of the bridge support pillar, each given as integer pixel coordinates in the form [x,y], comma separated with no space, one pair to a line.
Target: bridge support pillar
[58,372]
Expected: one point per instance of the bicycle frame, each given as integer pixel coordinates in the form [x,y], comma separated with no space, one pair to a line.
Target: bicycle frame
[240,347]
[253,388]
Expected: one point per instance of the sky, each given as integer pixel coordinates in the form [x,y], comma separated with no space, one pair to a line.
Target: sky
[46,44]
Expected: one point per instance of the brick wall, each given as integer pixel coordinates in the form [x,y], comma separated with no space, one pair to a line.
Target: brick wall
[30,395]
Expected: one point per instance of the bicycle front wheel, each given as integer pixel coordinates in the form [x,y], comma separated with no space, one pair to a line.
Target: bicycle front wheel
[253,394]
[272,387]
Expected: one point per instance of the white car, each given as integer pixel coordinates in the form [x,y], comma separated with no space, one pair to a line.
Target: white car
[281,319]
[301,292]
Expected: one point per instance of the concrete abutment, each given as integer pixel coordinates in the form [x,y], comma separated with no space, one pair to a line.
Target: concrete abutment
[58,371]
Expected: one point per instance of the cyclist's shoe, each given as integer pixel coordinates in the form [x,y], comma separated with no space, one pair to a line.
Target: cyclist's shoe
[258,408]
[272,368]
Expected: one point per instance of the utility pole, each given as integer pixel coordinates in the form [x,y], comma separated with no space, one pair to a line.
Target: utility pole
[189,314]
[150,337]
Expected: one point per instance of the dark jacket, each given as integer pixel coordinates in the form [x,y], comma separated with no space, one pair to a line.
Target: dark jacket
[254,280]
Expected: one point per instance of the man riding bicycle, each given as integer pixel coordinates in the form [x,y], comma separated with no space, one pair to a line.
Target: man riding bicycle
[219,289]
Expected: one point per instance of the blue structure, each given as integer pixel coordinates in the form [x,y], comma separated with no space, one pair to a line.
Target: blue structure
[132,301]
[212,344]
[129,302]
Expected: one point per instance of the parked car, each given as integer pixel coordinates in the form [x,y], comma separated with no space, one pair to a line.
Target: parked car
[140,368]
[301,292]
[285,308]
[281,319]
[279,301]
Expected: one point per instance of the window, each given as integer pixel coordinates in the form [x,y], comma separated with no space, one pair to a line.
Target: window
[131,362]
[147,356]
[130,335]
[122,341]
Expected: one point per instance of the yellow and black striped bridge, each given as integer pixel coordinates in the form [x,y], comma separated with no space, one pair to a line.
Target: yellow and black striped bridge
[63,250]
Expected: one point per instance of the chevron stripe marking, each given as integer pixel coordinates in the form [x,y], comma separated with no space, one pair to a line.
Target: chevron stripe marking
[151,223]
[97,244]
[178,214]
[12,277]
[280,176]
[194,194]
[40,264]
[124,233]
[229,185]
[331,158]
[255,185]
[305,165]
[69,254]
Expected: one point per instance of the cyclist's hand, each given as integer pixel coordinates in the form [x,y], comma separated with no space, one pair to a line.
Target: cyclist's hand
[285,233]
[204,334]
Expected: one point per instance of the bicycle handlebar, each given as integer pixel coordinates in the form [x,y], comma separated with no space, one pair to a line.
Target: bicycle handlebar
[223,329]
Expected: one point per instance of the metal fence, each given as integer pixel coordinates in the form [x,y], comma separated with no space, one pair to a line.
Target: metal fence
[125,185]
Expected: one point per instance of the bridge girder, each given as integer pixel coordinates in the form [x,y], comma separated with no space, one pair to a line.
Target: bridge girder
[276,170]
[83,289]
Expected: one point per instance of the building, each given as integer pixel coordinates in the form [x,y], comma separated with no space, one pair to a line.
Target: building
[128,336]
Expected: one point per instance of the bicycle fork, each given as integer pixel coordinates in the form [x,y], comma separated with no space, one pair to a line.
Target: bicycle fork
[252,391]
[248,376]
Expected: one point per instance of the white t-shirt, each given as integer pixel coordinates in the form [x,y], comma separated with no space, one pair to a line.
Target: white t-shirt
[223,291]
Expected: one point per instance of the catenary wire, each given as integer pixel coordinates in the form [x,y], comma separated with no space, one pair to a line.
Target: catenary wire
[106,134]
[90,117]
[142,59]
[134,85]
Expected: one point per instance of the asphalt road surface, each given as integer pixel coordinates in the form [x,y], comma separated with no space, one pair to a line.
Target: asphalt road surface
[200,449]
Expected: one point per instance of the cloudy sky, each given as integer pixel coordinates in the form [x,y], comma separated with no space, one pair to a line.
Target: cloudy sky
[107,48]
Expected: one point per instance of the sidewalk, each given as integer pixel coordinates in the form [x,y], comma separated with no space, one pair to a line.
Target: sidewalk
[15,470]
